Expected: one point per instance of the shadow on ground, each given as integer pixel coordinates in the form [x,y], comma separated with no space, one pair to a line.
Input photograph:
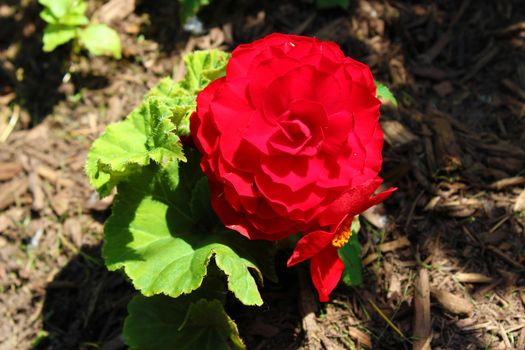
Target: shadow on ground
[85,305]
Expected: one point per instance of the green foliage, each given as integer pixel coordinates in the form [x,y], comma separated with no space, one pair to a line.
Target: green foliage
[149,133]
[322,4]
[100,40]
[202,67]
[66,21]
[57,34]
[190,8]
[184,323]
[350,253]
[146,135]
[160,237]
[385,95]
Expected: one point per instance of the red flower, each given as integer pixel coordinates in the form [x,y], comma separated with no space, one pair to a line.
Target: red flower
[286,134]
[321,246]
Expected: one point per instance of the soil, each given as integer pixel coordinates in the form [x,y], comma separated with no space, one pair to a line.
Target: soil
[443,258]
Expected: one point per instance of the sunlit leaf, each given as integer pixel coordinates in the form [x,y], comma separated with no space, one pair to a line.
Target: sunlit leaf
[163,248]
[56,35]
[101,40]
[147,134]
[202,67]
[385,95]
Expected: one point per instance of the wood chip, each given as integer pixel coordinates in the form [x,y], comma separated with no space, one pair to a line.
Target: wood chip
[422,323]
[114,10]
[508,182]
[361,337]
[472,277]
[519,205]
[521,340]
[452,303]
[73,230]
[47,173]
[394,245]
[9,170]
[11,191]
[35,187]
[396,134]
[375,215]
[60,202]
[446,147]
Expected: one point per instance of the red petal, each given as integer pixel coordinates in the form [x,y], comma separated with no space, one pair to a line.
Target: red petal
[354,202]
[310,245]
[326,269]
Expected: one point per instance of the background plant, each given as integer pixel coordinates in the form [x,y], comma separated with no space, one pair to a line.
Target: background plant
[66,21]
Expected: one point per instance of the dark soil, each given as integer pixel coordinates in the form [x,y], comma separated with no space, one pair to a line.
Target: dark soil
[444,257]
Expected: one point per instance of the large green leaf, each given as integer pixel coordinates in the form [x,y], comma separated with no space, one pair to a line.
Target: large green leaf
[350,253]
[160,322]
[190,8]
[101,40]
[56,35]
[147,134]
[163,248]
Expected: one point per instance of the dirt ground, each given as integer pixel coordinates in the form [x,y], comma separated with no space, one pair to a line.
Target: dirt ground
[444,257]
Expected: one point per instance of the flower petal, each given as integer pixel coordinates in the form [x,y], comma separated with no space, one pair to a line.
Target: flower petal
[354,201]
[309,245]
[326,269]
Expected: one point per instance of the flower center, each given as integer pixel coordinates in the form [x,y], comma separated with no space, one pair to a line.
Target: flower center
[343,233]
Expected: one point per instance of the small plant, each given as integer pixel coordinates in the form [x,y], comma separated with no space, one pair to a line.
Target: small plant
[195,219]
[189,8]
[66,21]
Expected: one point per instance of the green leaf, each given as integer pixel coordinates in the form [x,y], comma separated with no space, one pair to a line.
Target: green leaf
[163,249]
[146,134]
[160,322]
[190,8]
[202,68]
[101,40]
[66,12]
[350,253]
[332,3]
[56,35]
[181,101]
[385,95]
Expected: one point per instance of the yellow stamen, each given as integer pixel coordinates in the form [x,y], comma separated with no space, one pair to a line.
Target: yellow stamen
[343,233]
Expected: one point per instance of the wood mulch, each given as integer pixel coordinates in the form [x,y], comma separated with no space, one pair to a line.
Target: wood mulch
[443,259]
